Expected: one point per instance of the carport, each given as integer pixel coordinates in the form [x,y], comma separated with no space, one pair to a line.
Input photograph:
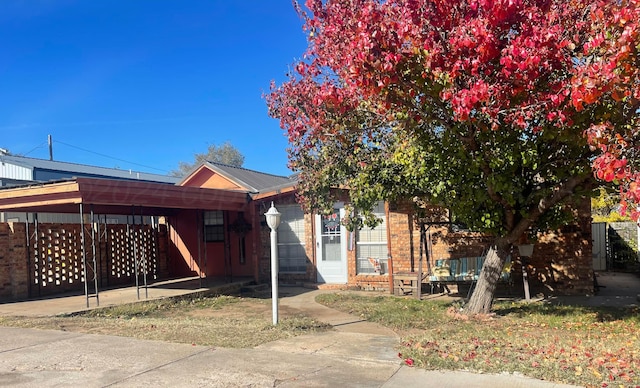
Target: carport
[98,252]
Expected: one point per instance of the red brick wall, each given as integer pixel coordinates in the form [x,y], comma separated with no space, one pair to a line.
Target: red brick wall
[163,252]
[14,272]
[405,239]
[561,262]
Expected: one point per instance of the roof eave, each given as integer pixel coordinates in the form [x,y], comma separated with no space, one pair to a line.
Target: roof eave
[274,191]
[117,195]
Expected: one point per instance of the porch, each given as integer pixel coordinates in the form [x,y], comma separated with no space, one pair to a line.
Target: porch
[463,273]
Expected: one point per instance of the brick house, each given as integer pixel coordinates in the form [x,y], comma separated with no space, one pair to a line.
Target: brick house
[318,250]
[211,225]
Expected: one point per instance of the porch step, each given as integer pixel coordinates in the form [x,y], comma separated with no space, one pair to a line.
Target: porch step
[254,289]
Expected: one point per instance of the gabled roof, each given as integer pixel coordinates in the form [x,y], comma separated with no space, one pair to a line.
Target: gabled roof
[248,180]
[84,170]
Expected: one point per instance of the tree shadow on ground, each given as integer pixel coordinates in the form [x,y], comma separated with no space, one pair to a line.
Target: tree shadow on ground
[599,313]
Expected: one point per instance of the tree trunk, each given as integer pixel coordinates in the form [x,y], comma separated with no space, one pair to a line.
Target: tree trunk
[482,297]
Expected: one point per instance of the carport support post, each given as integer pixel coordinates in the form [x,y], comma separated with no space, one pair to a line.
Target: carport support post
[36,252]
[84,256]
[145,255]
[96,271]
[136,264]
[273,220]
[201,237]
[28,251]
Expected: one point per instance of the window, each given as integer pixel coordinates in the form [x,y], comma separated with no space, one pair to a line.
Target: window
[371,246]
[292,257]
[214,226]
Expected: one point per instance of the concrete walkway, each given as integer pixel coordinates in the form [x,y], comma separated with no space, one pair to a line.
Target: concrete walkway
[356,354]
[616,289]
[71,303]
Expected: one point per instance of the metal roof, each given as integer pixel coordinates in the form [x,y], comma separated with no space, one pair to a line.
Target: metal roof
[8,182]
[254,181]
[85,170]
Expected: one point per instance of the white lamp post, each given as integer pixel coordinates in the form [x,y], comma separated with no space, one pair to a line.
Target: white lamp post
[273,220]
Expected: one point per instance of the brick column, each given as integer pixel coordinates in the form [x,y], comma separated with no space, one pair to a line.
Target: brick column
[14,272]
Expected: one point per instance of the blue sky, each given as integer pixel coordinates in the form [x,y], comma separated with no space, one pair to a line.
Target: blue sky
[144,84]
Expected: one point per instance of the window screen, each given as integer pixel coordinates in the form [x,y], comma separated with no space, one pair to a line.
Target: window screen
[291,253]
[371,246]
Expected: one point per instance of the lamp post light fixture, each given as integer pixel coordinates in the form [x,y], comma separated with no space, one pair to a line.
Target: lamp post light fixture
[526,251]
[273,220]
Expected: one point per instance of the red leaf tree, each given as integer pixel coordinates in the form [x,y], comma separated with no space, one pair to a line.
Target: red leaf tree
[500,110]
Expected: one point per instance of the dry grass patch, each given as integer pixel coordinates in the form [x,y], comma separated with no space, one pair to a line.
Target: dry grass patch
[223,321]
[594,347]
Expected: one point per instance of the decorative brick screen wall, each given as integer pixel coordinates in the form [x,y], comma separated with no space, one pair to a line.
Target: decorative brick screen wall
[51,262]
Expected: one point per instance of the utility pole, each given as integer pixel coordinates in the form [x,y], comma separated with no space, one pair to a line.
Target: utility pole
[50,147]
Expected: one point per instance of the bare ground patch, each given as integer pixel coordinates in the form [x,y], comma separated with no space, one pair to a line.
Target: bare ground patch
[216,321]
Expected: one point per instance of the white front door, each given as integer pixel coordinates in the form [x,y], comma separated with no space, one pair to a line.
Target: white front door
[331,241]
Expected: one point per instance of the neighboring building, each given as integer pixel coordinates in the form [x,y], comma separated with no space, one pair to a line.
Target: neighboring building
[213,226]
[24,169]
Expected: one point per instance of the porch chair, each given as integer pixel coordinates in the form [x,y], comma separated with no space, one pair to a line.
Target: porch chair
[505,275]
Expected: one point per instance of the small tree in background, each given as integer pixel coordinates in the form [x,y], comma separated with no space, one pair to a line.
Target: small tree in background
[605,207]
[225,153]
[500,110]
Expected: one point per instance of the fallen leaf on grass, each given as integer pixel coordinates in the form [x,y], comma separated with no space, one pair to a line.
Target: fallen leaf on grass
[624,377]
